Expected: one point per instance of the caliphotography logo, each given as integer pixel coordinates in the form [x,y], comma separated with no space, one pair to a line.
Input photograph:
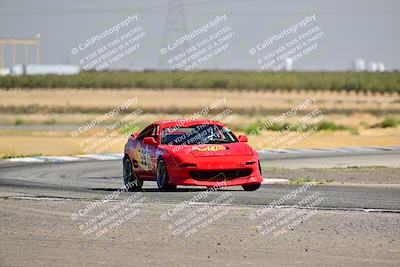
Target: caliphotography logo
[199,133]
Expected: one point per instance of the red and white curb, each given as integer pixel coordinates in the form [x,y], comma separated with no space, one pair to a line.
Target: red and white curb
[328,150]
[275,181]
[119,156]
[87,157]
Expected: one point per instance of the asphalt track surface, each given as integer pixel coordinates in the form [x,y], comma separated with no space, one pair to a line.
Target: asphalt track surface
[92,179]
[37,201]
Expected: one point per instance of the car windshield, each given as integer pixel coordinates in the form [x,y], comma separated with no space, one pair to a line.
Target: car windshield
[197,135]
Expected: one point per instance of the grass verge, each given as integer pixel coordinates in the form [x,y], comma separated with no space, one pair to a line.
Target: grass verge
[389,122]
[304,180]
[321,126]
[11,156]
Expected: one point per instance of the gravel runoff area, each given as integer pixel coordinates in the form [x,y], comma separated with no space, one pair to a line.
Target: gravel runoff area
[42,233]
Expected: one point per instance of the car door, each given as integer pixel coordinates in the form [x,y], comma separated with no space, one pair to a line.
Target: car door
[146,154]
[142,157]
[151,151]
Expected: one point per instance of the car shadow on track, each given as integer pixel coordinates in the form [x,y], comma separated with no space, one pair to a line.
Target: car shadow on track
[164,191]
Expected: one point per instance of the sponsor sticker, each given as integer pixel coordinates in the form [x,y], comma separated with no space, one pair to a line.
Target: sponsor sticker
[209,148]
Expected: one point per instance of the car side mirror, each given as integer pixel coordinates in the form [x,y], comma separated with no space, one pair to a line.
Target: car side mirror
[243,138]
[134,135]
[149,141]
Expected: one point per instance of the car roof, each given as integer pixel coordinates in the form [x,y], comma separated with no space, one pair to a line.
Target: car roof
[185,122]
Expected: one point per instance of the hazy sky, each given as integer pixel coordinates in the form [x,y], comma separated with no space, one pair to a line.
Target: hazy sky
[364,28]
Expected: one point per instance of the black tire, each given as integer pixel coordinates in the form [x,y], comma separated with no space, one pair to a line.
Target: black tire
[131,181]
[251,187]
[162,176]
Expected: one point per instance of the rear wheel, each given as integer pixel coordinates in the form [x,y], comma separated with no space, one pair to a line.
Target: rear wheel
[251,187]
[131,181]
[162,176]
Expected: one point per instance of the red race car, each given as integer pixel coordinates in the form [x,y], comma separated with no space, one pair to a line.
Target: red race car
[195,152]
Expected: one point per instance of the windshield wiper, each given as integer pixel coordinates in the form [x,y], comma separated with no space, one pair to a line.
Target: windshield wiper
[217,141]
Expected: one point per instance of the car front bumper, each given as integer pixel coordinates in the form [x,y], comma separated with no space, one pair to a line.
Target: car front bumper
[212,171]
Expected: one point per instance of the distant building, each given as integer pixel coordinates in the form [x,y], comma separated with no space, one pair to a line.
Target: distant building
[372,67]
[359,64]
[34,69]
[381,67]
[289,64]
[4,71]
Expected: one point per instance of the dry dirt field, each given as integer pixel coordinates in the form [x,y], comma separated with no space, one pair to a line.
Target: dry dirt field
[180,98]
[60,142]
[40,121]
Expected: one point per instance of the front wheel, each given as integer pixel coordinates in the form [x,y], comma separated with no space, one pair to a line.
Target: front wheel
[131,181]
[162,176]
[251,187]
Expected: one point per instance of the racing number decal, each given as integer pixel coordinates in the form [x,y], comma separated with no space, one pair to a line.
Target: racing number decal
[143,157]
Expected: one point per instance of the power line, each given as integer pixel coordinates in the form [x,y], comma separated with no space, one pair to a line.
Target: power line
[175,26]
